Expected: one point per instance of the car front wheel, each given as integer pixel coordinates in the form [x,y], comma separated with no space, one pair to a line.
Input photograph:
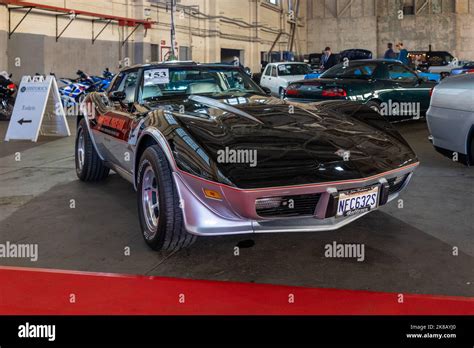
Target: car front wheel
[89,166]
[374,106]
[161,217]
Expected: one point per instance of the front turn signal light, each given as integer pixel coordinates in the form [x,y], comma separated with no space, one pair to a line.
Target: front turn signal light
[211,194]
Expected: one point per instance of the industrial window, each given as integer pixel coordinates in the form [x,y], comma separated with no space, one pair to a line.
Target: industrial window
[273,2]
[154,52]
[408,7]
[184,53]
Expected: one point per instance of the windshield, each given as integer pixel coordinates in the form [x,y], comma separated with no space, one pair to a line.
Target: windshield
[351,71]
[293,69]
[160,83]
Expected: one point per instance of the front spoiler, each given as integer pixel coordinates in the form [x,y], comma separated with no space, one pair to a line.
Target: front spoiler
[219,218]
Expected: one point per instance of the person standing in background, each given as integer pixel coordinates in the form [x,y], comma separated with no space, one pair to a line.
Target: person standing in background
[390,53]
[328,60]
[403,54]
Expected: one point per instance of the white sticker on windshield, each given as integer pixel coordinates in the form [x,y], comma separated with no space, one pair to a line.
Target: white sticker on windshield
[157,77]
[281,67]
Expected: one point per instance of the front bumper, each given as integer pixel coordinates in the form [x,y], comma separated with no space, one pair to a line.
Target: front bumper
[236,212]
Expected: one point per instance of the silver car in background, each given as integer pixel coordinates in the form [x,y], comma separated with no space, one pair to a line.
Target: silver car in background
[451,117]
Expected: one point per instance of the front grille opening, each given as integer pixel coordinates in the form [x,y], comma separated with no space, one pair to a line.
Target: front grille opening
[287,206]
[396,184]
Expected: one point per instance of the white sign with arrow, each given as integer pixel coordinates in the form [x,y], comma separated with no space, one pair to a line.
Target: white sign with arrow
[38,110]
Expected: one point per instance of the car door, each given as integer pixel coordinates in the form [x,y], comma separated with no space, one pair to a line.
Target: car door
[391,90]
[274,81]
[415,92]
[115,123]
[264,81]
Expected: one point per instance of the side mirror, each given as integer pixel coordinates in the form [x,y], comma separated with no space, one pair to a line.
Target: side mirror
[267,90]
[117,96]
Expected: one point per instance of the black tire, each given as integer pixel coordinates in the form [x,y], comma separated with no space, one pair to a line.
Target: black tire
[281,93]
[471,152]
[374,105]
[92,168]
[169,232]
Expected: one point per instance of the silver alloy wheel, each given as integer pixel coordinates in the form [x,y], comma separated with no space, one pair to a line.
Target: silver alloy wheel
[81,149]
[150,202]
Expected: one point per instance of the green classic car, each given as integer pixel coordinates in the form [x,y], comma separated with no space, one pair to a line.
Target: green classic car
[387,86]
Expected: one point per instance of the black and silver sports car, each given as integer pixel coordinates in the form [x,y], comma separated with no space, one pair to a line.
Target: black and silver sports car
[210,153]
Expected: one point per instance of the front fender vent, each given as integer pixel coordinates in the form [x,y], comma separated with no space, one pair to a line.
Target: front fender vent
[396,184]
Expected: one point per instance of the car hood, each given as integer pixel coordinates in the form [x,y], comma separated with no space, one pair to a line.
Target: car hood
[259,141]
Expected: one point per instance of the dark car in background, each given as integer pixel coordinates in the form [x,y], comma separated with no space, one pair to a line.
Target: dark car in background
[355,54]
[315,60]
[387,86]
[423,60]
[351,54]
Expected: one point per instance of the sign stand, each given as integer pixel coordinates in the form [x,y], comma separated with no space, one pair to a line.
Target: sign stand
[38,111]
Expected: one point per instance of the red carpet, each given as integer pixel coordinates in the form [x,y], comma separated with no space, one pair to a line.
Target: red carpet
[36,291]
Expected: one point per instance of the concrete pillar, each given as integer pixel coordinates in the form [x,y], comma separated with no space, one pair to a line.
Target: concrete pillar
[461,6]
[142,44]
[3,38]
[254,55]
[213,53]
[464,30]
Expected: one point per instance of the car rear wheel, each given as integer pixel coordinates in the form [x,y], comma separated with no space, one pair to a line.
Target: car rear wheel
[281,93]
[89,166]
[161,217]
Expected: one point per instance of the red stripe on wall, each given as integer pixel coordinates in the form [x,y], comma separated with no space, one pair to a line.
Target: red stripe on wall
[26,291]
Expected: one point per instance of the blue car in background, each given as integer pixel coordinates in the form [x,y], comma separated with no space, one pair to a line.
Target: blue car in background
[435,77]
[467,68]
[313,75]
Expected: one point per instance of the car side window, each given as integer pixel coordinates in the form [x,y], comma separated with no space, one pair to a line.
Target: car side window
[116,82]
[397,72]
[267,70]
[128,85]
[274,71]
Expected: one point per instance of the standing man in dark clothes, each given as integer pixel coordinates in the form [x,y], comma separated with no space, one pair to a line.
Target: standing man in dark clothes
[390,53]
[328,60]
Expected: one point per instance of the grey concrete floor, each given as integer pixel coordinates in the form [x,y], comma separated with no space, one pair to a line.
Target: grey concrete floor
[407,250]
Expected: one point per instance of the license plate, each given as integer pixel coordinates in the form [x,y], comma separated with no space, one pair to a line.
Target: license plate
[357,201]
